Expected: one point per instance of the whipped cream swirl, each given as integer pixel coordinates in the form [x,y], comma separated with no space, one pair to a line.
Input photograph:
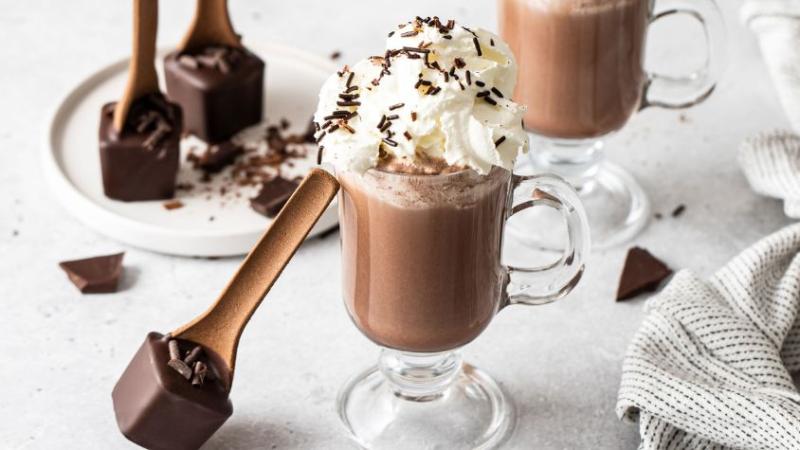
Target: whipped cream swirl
[440,92]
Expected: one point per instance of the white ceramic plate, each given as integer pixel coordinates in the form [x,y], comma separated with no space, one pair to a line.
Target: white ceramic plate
[207,225]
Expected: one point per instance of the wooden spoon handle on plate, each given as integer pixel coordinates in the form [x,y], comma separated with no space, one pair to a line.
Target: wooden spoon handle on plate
[142,78]
[211,25]
[220,327]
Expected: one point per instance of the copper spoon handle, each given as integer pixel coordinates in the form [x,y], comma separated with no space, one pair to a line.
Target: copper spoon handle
[220,327]
[211,25]
[142,78]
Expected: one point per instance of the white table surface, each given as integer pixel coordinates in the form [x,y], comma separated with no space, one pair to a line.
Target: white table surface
[62,352]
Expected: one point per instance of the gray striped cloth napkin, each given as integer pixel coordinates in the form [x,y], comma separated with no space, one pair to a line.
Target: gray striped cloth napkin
[771,163]
[710,366]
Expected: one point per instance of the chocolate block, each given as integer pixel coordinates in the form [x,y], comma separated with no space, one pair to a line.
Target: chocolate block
[157,408]
[272,196]
[141,162]
[219,88]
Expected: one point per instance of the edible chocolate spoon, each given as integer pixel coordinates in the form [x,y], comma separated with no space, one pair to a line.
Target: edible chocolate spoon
[142,78]
[220,327]
[159,409]
[211,25]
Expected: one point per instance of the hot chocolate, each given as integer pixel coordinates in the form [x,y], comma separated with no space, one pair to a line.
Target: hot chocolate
[580,62]
[433,282]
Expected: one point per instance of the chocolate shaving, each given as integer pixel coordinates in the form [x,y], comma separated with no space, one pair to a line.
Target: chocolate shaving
[174,351]
[193,355]
[200,371]
[181,367]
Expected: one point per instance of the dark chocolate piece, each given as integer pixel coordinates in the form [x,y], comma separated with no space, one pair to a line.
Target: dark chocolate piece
[157,408]
[643,272]
[141,162]
[217,157]
[96,275]
[273,196]
[222,95]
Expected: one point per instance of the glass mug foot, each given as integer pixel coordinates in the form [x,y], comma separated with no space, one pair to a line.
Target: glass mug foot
[425,401]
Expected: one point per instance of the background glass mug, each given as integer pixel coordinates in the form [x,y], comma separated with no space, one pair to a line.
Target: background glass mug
[582,77]
[422,276]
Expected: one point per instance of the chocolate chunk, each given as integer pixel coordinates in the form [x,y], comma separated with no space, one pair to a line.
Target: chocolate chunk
[157,408]
[180,367]
[273,196]
[99,274]
[220,97]
[643,272]
[217,157]
[140,162]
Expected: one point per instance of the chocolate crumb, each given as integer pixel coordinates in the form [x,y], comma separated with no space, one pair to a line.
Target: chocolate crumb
[172,204]
[677,212]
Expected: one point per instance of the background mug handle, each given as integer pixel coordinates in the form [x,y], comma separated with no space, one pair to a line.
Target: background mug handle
[679,92]
[540,285]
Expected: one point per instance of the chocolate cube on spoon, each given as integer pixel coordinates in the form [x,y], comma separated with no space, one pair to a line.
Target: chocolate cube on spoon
[174,393]
[218,83]
[139,135]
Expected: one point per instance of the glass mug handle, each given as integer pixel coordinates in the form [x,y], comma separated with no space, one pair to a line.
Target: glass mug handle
[545,284]
[678,92]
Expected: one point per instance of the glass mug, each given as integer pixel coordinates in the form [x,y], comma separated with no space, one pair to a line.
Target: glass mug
[581,74]
[422,276]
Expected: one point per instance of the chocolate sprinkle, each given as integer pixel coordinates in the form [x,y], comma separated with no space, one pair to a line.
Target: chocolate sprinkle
[397,106]
[677,212]
[497,92]
[499,141]
[477,46]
